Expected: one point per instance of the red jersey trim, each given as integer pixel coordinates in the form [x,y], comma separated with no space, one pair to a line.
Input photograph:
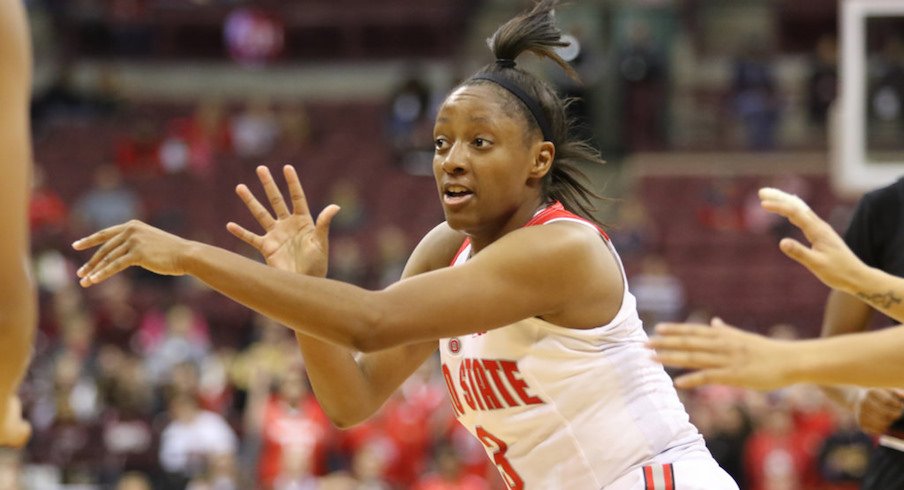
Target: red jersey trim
[552,212]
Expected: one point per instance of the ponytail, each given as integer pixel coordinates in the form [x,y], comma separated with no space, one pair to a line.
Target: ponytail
[535,31]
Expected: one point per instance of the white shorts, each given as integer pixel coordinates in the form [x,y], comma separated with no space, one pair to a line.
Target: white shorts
[686,474]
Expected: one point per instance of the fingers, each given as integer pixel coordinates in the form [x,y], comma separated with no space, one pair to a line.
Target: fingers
[107,260]
[700,378]
[793,208]
[692,359]
[273,192]
[296,192]
[244,235]
[323,222]
[257,209]
[696,329]
[100,255]
[689,346]
[798,252]
[107,268]
[96,238]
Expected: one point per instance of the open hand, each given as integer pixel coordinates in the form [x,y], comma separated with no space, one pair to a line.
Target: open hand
[128,244]
[291,240]
[722,354]
[828,257]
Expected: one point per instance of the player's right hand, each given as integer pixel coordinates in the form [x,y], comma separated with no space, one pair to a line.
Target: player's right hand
[132,243]
[291,240]
[876,409]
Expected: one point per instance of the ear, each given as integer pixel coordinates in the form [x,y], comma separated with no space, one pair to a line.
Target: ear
[544,154]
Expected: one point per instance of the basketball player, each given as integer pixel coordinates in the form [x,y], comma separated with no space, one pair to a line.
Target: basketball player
[17,295]
[541,346]
[726,355]
[876,236]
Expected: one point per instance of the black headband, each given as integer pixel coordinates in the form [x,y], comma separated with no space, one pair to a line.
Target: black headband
[518,92]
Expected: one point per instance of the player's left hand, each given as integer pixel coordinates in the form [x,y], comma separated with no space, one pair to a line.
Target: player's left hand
[292,240]
[128,244]
[721,354]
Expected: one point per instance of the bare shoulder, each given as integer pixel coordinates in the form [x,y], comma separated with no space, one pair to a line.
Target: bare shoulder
[435,251]
[558,241]
[565,260]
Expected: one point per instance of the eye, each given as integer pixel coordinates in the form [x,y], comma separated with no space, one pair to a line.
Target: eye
[440,143]
[481,143]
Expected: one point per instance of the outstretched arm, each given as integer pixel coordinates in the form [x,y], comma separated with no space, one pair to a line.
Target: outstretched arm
[566,265]
[831,260]
[563,264]
[725,355]
[17,296]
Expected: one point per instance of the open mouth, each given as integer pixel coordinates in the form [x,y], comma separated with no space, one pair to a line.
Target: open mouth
[454,194]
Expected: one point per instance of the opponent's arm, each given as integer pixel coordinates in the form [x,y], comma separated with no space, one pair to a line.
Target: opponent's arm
[726,355]
[829,258]
[875,409]
[17,295]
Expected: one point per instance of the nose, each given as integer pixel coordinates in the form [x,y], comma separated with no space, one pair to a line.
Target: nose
[454,161]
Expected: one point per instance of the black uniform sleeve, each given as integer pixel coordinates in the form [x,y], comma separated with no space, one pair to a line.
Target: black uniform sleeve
[860,235]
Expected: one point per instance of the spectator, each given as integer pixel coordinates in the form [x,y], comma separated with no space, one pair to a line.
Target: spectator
[129,438]
[133,481]
[191,438]
[255,130]
[774,456]
[843,456]
[449,474]
[47,213]
[184,339]
[756,97]
[138,150]
[822,84]
[295,126]
[643,74]
[289,424]
[660,294]
[107,202]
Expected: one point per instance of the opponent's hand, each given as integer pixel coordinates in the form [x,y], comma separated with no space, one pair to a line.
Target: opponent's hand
[128,244]
[291,240]
[876,409]
[828,257]
[14,430]
[722,355]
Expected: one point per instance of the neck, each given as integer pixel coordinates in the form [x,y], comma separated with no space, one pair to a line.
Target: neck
[514,220]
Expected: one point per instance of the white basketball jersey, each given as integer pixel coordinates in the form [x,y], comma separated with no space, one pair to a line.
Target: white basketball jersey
[565,408]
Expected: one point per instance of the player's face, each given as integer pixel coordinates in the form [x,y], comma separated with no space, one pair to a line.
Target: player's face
[483,161]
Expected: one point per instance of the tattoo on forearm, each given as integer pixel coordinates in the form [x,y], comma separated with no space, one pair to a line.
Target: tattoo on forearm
[883,300]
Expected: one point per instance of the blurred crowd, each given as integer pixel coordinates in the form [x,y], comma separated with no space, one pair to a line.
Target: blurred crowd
[155,382]
[151,382]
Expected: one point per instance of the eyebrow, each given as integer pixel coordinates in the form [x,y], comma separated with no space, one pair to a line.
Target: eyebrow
[473,119]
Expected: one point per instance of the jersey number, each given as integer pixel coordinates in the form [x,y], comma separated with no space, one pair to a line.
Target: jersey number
[512,480]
